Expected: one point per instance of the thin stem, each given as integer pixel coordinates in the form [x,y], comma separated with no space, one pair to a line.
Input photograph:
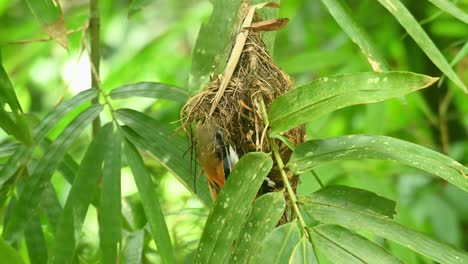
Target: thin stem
[95,54]
[284,177]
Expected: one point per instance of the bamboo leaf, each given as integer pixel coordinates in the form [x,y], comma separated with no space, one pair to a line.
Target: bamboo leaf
[328,94]
[451,9]
[9,254]
[303,253]
[150,203]
[263,218]
[278,247]
[339,245]
[7,92]
[317,152]
[411,25]
[328,209]
[23,153]
[150,90]
[342,15]
[110,220]
[35,242]
[133,251]
[136,6]
[231,206]
[210,49]
[49,14]
[167,147]
[34,186]
[81,193]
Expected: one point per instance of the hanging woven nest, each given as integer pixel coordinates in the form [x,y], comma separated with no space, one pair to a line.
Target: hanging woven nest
[255,80]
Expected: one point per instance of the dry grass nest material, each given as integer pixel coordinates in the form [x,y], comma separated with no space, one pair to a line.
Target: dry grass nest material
[238,115]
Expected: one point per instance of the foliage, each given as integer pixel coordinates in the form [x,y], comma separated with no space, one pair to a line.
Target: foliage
[125,190]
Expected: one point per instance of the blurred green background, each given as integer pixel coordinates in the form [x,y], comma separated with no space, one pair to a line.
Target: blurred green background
[155,44]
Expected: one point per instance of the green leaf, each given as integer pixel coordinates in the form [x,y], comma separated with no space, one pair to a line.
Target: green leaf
[110,218]
[23,153]
[343,16]
[79,198]
[213,42]
[51,205]
[35,242]
[451,9]
[328,94]
[167,147]
[279,246]
[317,152]
[339,245]
[34,186]
[7,92]
[411,25]
[303,253]
[133,250]
[262,219]
[150,203]
[150,90]
[230,208]
[18,127]
[9,254]
[49,14]
[136,6]
[353,215]
[357,199]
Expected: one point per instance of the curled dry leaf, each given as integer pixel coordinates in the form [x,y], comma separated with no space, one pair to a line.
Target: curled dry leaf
[268,25]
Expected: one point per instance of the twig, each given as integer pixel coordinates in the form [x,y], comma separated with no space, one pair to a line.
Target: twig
[45,39]
[275,149]
[95,55]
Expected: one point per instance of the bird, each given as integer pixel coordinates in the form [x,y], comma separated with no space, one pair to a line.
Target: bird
[216,156]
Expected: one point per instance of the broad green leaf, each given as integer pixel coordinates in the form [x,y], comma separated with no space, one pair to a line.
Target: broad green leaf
[9,254]
[133,251]
[317,152]
[136,6]
[110,218]
[150,203]
[7,92]
[34,186]
[356,199]
[342,14]
[262,219]
[214,39]
[328,94]
[451,9]
[150,90]
[18,127]
[35,241]
[230,208]
[340,245]
[7,149]
[51,205]
[353,215]
[23,153]
[49,14]
[81,193]
[303,253]
[411,25]
[279,246]
[166,146]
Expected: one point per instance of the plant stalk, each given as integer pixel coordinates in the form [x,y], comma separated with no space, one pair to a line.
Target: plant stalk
[95,54]
[284,177]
